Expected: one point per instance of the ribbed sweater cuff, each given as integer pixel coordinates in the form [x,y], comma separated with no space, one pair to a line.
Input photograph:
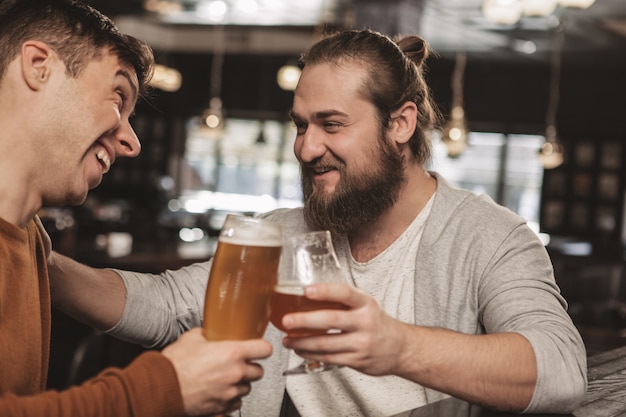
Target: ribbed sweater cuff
[154,388]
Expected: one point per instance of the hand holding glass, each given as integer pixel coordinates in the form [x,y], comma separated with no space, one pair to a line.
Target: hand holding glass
[309,258]
[243,275]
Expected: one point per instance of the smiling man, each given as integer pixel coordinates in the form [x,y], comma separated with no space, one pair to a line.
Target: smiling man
[69,81]
[452,294]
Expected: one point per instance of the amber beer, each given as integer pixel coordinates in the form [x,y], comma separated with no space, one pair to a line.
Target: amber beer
[291,300]
[243,275]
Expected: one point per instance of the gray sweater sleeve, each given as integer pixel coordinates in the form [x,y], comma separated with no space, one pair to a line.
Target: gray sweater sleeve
[519,294]
[159,308]
[487,272]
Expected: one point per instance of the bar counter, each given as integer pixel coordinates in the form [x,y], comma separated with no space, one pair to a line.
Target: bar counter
[606,394]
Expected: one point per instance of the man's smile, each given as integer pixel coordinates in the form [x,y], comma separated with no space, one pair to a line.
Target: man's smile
[105,160]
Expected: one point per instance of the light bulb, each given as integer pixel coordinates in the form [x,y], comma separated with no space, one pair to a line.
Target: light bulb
[214,10]
[538,8]
[212,120]
[503,12]
[454,134]
[288,76]
[213,117]
[166,78]
[551,155]
[578,4]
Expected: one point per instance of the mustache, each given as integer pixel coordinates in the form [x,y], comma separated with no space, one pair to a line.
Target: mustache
[326,164]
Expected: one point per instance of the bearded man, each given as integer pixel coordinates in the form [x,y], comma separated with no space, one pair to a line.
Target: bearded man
[451,293]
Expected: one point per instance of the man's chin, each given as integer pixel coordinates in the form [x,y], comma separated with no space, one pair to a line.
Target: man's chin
[77,199]
[94,183]
[323,191]
[326,188]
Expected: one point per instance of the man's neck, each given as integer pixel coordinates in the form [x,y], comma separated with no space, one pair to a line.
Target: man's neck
[372,239]
[18,201]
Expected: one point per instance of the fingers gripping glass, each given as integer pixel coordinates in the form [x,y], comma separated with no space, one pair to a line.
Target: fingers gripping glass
[308,259]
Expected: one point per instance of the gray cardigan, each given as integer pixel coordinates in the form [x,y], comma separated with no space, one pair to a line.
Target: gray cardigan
[480,270]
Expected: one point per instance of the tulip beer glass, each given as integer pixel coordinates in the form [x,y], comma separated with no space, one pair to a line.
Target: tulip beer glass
[243,275]
[308,258]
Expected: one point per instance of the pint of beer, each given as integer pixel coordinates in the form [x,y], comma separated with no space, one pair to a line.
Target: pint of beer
[243,275]
[309,258]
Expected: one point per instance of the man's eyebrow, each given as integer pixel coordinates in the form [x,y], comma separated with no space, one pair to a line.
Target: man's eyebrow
[124,73]
[323,114]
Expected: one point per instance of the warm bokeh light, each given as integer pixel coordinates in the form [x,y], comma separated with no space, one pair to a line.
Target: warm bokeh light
[288,76]
[454,134]
[166,78]
[538,8]
[551,155]
[578,4]
[503,12]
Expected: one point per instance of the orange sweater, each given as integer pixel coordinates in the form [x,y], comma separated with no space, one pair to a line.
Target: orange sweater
[147,387]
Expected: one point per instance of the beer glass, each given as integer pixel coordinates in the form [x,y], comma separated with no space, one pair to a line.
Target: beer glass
[243,275]
[308,258]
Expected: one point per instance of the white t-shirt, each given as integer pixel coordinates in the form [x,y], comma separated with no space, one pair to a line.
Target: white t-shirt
[390,279]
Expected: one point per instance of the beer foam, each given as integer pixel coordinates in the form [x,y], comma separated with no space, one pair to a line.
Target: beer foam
[290,289]
[252,232]
[251,241]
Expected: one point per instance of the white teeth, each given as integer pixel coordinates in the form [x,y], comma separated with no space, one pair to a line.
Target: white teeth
[103,157]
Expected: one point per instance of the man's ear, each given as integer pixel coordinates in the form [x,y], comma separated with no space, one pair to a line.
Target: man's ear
[404,122]
[37,58]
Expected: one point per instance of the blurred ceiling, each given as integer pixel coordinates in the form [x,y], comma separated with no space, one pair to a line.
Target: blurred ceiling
[598,32]
[593,36]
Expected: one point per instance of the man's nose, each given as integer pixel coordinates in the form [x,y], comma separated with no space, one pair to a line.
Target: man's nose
[126,141]
[310,146]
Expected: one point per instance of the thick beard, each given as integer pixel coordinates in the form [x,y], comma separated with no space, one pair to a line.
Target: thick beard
[359,198]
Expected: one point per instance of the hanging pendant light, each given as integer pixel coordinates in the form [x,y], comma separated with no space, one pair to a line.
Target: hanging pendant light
[260,139]
[502,12]
[551,154]
[212,118]
[577,4]
[454,134]
[538,8]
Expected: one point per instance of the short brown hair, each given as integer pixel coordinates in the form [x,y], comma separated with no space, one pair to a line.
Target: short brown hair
[77,32]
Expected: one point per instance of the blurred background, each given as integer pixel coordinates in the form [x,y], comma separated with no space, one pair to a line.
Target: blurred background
[534,97]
